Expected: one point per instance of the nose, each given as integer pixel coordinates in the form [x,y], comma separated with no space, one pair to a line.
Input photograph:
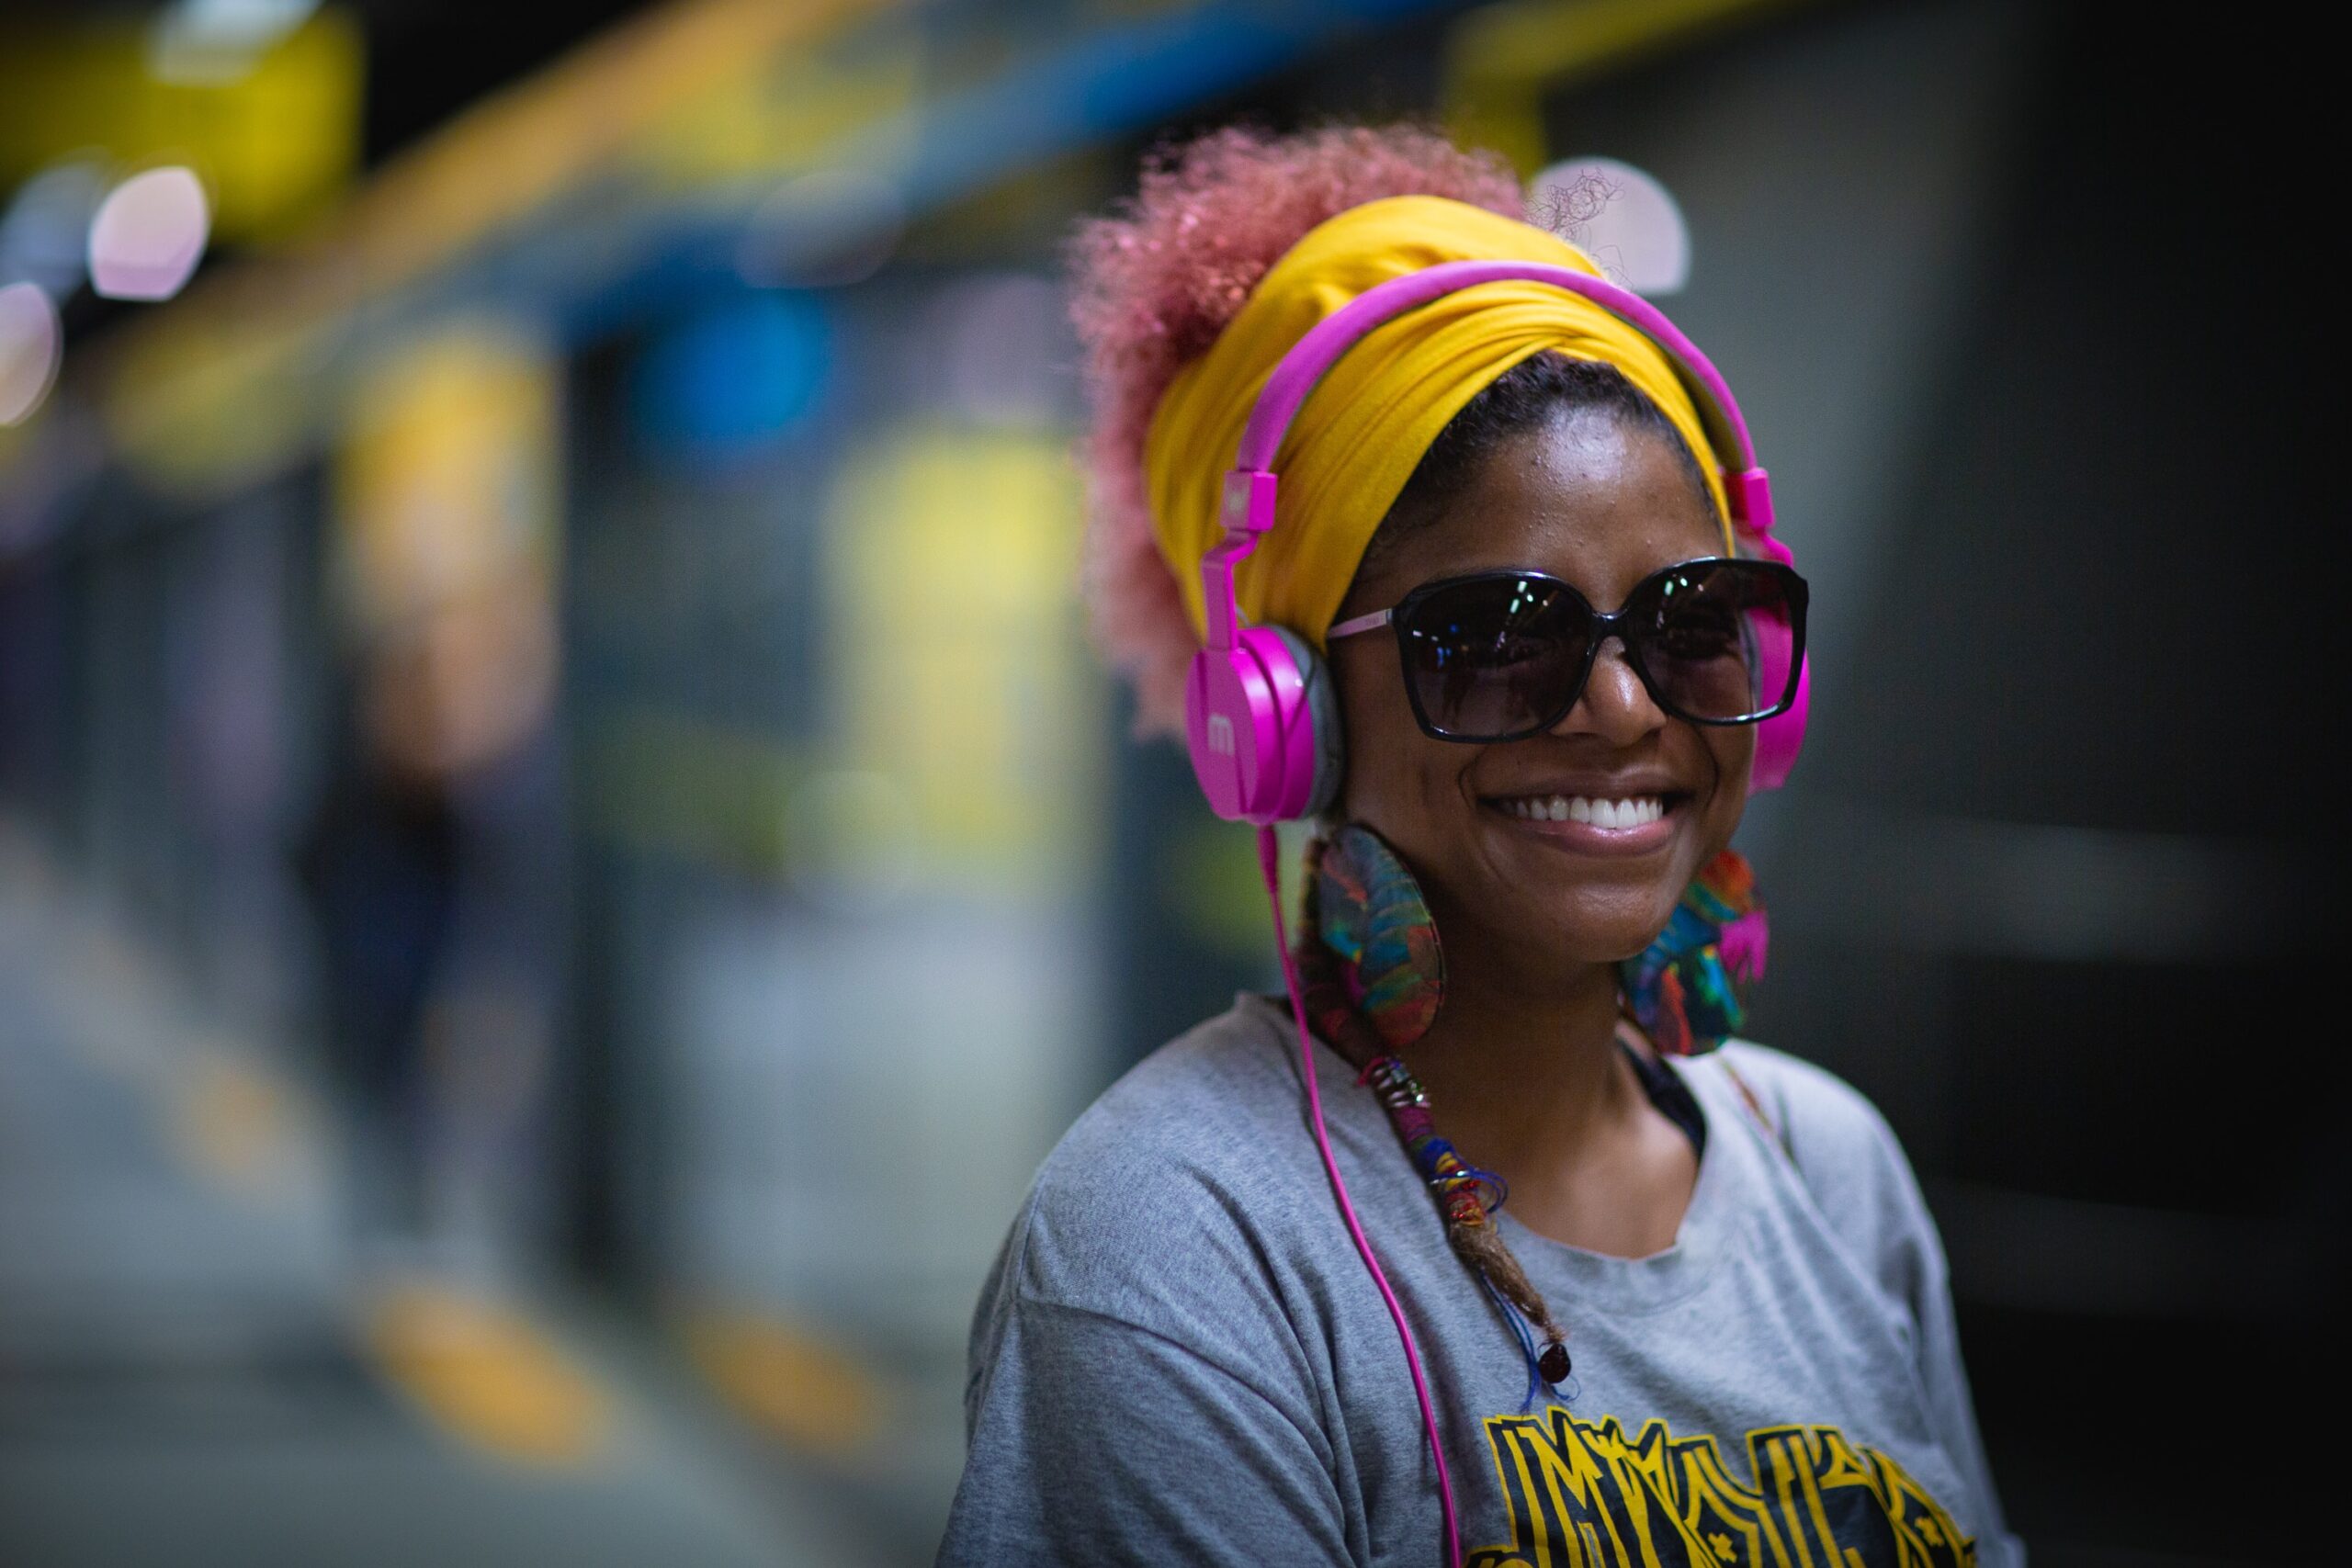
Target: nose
[1614,706]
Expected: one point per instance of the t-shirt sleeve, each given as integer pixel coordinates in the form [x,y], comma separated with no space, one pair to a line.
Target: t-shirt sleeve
[1916,1259]
[1854,1167]
[1139,1393]
[1096,1441]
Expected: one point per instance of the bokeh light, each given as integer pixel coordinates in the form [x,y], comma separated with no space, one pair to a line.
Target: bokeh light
[44,234]
[995,342]
[729,378]
[149,234]
[217,41]
[1621,217]
[822,229]
[30,342]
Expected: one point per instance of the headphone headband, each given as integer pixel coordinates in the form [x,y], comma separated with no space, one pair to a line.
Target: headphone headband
[1745,484]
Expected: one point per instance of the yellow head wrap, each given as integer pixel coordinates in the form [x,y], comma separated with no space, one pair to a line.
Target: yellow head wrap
[1362,430]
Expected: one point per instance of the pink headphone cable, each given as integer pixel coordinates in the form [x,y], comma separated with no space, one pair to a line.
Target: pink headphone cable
[1270,864]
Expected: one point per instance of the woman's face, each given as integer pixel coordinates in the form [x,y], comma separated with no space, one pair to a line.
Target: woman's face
[1600,505]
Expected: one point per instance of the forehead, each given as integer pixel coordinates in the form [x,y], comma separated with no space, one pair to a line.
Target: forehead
[1587,498]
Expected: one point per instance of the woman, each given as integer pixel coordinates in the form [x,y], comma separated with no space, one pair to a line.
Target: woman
[1710,1324]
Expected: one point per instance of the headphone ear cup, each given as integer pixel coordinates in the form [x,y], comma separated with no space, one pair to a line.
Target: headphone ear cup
[1779,738]
[1263,728]
[1320,709]
[1782,737]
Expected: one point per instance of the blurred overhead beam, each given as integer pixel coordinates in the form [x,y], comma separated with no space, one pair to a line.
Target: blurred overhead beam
[258,334]
[504,161]
[658,143]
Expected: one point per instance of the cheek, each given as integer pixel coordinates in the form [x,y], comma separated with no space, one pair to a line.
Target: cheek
[1391,766]
[1733,753]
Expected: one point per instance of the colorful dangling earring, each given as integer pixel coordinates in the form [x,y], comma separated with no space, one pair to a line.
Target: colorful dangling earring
[1680,989]
[1371,915]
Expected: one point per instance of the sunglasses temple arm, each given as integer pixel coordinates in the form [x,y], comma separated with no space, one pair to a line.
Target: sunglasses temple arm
[1372,622]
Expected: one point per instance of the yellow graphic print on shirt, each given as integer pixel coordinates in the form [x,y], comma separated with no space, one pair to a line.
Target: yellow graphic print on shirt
[1582,1496]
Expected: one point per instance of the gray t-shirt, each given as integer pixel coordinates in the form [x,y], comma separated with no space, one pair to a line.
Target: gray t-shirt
[1180,1358]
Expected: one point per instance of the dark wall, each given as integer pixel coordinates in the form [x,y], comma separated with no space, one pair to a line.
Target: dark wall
[2082,780]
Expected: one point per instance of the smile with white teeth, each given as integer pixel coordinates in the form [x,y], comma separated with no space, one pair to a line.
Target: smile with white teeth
[1632,813]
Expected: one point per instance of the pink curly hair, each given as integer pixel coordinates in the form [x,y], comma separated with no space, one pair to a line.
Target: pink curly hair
[1151,287]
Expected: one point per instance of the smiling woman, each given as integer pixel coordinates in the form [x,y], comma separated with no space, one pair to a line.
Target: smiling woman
[1377,459]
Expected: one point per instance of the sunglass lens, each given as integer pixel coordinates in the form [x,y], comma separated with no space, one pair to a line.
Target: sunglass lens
[1492,657]
[1701,633]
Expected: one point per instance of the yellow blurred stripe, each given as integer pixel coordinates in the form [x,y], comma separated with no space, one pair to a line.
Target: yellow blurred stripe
[232,1124]
[489,1375]
[510,153]
[789,1382]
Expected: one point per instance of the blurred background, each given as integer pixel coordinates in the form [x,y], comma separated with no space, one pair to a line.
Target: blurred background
[563,857]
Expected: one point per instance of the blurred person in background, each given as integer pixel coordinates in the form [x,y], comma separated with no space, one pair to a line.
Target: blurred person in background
[423,861]
[1521,895]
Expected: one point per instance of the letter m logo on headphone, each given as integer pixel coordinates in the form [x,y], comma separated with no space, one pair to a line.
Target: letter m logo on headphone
[1220,735]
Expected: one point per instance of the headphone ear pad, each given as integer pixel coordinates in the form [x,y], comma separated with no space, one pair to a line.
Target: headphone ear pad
[1780,738]
[1320,707]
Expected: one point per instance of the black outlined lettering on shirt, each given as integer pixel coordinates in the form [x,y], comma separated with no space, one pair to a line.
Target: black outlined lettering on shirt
[1585,1496]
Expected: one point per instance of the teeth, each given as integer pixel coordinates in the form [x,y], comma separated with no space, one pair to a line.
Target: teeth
[1636,812]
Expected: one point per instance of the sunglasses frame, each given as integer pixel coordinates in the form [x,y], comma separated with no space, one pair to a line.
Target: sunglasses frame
[1604,625]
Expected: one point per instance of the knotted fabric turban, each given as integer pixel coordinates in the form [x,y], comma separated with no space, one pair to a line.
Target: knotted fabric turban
[1362,430]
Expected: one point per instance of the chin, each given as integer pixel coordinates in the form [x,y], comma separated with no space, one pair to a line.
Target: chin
[1601,929]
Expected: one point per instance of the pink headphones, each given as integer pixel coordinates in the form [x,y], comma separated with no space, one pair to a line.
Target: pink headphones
[1258,712]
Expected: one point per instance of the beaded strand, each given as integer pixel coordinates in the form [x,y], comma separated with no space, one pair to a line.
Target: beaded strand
[1466,1195]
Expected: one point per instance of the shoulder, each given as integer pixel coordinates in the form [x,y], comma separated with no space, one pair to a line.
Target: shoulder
[1851,1164]
[1151,1285]
[1174,1209]
[1828,1126]
[1185,1169]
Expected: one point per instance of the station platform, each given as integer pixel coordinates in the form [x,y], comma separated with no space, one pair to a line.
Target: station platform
[199,1368]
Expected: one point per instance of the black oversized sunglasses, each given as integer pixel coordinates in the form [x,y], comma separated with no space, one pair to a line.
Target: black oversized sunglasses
[1503,655]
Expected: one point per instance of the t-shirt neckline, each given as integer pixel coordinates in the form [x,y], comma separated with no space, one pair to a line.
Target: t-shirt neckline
[1600,1279]
[1642,1284]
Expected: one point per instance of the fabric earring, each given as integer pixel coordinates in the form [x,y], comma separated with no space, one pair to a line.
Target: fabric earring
[1371,915]
[1680,989]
